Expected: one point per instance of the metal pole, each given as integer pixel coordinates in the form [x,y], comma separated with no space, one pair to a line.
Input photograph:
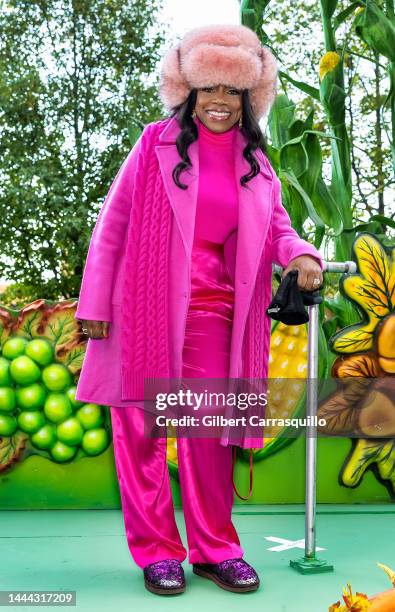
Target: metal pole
[311,438]
[309,564]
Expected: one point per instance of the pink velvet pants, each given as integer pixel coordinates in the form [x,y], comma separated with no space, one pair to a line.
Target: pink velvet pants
[205,467]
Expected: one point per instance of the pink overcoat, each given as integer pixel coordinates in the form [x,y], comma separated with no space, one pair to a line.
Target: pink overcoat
[101,289]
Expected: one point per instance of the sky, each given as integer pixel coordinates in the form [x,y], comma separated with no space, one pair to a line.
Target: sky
[183,16]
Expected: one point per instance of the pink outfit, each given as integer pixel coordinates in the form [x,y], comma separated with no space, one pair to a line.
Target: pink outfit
[217,282]
[207,498]
[264,235]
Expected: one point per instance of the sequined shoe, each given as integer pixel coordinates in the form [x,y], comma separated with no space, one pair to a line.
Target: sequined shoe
[234,575]
[164,577]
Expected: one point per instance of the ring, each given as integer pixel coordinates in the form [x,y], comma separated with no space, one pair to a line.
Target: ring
[84,330]
[316,281]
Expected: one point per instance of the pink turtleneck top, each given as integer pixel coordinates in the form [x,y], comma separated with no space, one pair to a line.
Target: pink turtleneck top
[217,202]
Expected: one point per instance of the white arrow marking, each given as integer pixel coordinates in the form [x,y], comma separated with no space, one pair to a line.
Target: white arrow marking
[287,544]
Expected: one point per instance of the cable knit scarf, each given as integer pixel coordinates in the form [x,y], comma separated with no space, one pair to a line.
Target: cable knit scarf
[144,338]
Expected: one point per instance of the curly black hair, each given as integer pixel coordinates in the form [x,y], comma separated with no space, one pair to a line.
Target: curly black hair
[189,133]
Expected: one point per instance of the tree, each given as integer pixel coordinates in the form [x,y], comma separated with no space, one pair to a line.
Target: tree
[75,79]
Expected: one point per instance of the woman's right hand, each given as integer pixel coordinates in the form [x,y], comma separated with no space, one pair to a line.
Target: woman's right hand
[96,329]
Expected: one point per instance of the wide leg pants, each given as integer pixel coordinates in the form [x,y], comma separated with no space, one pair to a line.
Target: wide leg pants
[205,467]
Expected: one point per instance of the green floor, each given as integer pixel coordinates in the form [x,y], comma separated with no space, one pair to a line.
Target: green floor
[86,551]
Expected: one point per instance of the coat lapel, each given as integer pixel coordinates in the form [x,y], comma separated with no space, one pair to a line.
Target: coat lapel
[254,212]
[183,201]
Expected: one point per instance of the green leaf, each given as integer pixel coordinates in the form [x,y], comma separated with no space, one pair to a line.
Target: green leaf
[333,98]
[376,30]
[326,207]
[329,326]
[384,220]
[11,448]
[280,118]
[346,312]
[297,128]
[308,89]
[290,177]
[309,120]
[298,139]
[342,16]
[294,157]
[299,212]
[313,149]
[274,156]
[370,226]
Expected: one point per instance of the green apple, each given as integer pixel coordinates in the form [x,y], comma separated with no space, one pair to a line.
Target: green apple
[24,371]
[30,422]
[70,431]
[5,378]
[31,397]
[62,452]
[57,407]
[8,425]
[14,347]
[7,399]
[95,441]
[56,377]
[45,437]
[90,416]
[71,391]
[40,350]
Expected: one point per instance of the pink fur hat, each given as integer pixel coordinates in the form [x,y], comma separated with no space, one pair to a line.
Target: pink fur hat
[219,54]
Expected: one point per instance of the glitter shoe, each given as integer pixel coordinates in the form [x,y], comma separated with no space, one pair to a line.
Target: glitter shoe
[234,575]
[164,577]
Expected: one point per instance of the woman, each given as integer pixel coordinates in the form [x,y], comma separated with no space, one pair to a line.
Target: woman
[176,283]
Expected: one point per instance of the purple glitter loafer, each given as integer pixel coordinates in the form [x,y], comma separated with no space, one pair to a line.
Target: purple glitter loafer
[234,575]
[164,577]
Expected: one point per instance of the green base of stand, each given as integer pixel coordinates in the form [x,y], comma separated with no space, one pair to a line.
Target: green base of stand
[304,565]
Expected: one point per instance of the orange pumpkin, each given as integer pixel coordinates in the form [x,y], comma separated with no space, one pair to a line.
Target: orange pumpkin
[382,602]
[385,601]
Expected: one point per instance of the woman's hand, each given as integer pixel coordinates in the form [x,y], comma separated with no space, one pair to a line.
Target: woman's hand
[308,269]
[95,329]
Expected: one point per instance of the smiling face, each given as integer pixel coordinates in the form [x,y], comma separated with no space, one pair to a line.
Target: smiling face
[218,107]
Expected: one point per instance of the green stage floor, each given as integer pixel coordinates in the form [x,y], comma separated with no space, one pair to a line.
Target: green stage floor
[86,551]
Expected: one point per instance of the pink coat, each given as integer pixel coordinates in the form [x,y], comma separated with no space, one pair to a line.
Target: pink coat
[101,289]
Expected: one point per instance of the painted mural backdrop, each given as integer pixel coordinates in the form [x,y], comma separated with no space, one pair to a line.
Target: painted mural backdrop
[41,354]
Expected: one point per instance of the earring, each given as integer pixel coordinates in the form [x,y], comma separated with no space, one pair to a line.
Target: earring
[193,114]
[240,122]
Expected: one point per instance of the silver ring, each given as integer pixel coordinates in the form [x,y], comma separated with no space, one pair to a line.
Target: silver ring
[84,330]
[316,281]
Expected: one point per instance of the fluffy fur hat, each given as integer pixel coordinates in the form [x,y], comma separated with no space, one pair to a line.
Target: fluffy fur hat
[219,54]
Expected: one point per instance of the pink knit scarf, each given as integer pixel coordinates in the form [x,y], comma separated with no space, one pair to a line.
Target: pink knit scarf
[144,338]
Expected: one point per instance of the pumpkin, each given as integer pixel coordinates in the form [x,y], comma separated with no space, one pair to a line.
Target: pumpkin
[382,602]
[385,601]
